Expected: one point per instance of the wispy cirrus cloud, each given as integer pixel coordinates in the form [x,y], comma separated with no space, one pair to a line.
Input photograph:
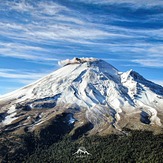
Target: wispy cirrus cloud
[61,27]
[26,52]
[135,3]
[14,79]
[44,7]
[24,77]
[160,82]
[149,62]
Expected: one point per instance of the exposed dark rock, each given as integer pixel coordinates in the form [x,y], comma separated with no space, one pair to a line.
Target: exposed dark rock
[2,116]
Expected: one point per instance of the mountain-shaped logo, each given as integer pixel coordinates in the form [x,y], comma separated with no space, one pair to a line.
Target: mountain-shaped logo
[82,152]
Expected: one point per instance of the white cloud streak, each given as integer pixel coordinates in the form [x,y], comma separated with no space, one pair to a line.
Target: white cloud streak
[47,8]
[22,51]
[24,77]
[149,62]
[135,3]
[160,82]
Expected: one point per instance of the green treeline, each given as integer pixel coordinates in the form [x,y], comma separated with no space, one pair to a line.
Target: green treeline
[135,147]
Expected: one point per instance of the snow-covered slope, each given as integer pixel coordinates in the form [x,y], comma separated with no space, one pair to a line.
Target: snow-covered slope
[94,86]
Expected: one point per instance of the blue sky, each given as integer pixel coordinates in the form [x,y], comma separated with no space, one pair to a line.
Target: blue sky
[36,34]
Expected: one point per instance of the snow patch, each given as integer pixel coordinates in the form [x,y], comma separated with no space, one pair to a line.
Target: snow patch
[11,109]
[9,119]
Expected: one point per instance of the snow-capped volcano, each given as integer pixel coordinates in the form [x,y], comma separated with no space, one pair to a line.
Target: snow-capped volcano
[89,89]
